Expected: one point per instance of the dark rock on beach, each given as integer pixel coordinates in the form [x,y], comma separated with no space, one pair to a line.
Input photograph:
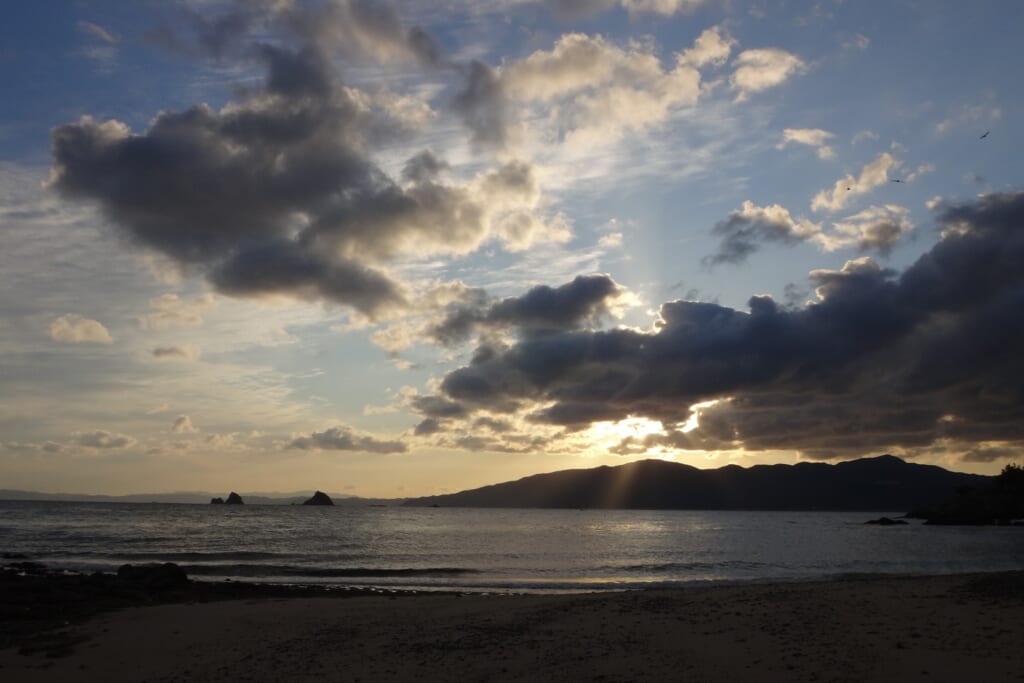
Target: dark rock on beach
[154,576]
[319,498]
[39,604]
[234,499]
[217,501]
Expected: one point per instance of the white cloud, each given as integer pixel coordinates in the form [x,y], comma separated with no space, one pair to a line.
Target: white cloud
[863,135]
[813,137]
[763,68]
[74,329]
[663,7]
[874,173]
[711,47]
[594,91]
[918,172]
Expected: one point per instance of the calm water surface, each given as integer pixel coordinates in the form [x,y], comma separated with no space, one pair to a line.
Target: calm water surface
[478,549]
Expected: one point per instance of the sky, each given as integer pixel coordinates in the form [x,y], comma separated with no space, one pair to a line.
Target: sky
[407,248]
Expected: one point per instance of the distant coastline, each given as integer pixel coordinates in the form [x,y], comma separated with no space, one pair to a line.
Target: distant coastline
[882,482]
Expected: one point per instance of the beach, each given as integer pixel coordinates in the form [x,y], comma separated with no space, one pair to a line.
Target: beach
[935,628]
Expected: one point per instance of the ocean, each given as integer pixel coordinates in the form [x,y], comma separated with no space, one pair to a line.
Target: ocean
[499,550]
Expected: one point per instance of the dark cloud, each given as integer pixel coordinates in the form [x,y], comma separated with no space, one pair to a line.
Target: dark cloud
[578,9]
[276,194]
[424,167]
[992,454]
[354,29]
[207,35]
[585,300]
[103,439]
[876,229]
[745,229]
[497,426]
[483,105]
[437,407]
[881,359]
[427,427]
[174,352]
[286,268]
[346,439]
[360,29]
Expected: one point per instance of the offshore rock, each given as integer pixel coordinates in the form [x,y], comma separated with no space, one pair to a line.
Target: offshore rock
[319,498]
[234,499]
[885,521]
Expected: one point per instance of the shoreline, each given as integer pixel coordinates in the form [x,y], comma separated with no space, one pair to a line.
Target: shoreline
[864,628]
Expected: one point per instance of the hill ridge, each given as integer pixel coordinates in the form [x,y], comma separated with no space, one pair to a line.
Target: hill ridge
[877,483]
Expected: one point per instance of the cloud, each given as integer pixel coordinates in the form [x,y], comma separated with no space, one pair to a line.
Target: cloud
[858,41]
[863,135]
[576,62]
[872,175]
[74,329]
[745,229]
[483,107]
[358,29]
[586,88]
[97,32]
[992,453]
[764,68]
[881,360]
[353,29]
[584,8]
[663,7]
[102,45]
[275,195]
[970,114]
[586,300]
[877,228]
[813,137]
[346,439]
[187,352]
[102,439]
[183,425]
[713,47]
[170,310]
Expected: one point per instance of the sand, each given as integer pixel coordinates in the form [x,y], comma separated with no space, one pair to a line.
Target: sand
[954,628]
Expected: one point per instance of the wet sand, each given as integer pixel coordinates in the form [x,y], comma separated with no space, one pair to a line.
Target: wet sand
[951,628]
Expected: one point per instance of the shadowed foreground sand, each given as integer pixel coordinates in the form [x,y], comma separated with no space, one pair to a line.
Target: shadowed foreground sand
[878,629]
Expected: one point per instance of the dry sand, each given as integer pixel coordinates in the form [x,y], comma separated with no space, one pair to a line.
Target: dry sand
[958,628]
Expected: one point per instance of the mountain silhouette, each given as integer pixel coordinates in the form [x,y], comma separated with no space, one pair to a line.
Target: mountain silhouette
[880,483]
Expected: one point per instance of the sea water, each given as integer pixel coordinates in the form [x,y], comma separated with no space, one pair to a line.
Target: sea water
[493,549]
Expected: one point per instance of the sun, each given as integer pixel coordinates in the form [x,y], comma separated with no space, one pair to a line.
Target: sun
[607,434]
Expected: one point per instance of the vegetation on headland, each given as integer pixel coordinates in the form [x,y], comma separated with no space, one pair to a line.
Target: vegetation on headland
[1001,502]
